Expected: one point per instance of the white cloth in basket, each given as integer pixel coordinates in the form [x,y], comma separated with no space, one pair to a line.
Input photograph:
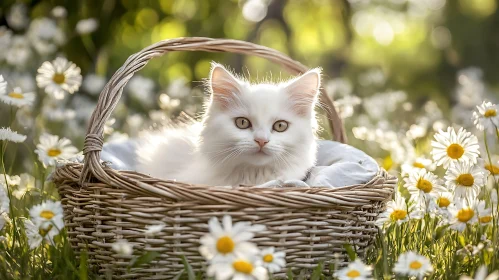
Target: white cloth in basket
[338,164]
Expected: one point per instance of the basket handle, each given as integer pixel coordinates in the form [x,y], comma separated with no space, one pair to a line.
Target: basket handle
[110,95]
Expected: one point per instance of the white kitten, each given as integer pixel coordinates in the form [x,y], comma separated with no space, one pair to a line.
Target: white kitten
[250,134]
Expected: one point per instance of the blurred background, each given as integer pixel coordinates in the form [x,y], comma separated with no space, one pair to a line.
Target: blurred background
[398,70]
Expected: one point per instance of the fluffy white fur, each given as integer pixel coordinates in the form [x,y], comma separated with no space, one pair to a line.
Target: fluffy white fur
[217,152]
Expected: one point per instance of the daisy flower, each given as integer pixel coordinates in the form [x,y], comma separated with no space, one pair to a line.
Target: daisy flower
[37,234]
[227,240]
[413,264]
[422,183]
[486,117]
[59,77]
[484,214]
[241,268]
[398,212]
[355,270]
[465,179]
[4,201]
[492,168]
[273,261]
[17,97]
[463,213]
[47,216]
[19,52]
[418,163]
[440,205]
[52,149]
[94,84]
[3,85]
[154,229]
[26,184]
[142,90]
[481,274]
[451,147]
[11,180]
[6,134]
[122,247]
[86,26]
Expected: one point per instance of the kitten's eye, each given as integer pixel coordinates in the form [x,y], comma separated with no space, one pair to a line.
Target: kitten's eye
[243,123]
[280,126]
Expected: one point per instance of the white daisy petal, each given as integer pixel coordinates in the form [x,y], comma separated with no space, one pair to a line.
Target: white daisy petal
[412,264]
[465,179]
[464,212]
[243,268]
[486,117]
[421,184]
[450,147]
[59,77]
[224,242]
[273,261]
[6,134]
[52,149]
[16,96]
[355,270]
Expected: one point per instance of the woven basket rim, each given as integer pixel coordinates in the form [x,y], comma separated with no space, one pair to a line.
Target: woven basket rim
[379,188]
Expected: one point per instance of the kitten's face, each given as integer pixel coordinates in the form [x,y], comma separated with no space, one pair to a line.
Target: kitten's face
[259,124]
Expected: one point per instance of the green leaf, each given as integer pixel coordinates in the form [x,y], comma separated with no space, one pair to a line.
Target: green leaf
[188,268]
[290,274]
[145,258]
[461,240]
[350,252]
[317,273]
[177,277]
[440,232]
[83,265]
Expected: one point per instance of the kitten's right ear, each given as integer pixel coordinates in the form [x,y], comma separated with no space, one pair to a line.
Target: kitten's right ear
[223,85]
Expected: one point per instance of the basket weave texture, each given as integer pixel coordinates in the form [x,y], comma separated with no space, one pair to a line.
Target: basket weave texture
[102,205]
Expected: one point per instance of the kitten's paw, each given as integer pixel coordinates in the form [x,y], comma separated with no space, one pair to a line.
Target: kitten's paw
[272,183]
[295,183]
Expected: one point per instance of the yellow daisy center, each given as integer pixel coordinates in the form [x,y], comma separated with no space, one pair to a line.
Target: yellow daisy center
[465,214]
[16,95]
[466,180]
[268,258]
[47,214]
[490,113]
[353,273]
[59,78]
[455,151]
[225,245]
[485,219]
[415,265]
[398,215]
[494,169]
[54,152]
[443,202]
[243,266]
[45,231]
[424,185]
[418,165]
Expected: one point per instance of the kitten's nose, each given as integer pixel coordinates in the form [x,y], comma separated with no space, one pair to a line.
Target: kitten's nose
[261,142]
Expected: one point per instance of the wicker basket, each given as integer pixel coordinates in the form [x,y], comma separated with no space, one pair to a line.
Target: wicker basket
[102,205]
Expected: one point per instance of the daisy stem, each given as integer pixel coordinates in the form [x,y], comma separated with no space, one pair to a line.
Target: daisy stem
[11,207]
[488,155]
[384,252]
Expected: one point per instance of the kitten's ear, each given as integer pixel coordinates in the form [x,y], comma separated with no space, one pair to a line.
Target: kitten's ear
[303,91]
[223,85]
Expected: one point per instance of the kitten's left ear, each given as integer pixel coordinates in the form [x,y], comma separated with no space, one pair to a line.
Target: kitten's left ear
[224,86]
[303,91]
